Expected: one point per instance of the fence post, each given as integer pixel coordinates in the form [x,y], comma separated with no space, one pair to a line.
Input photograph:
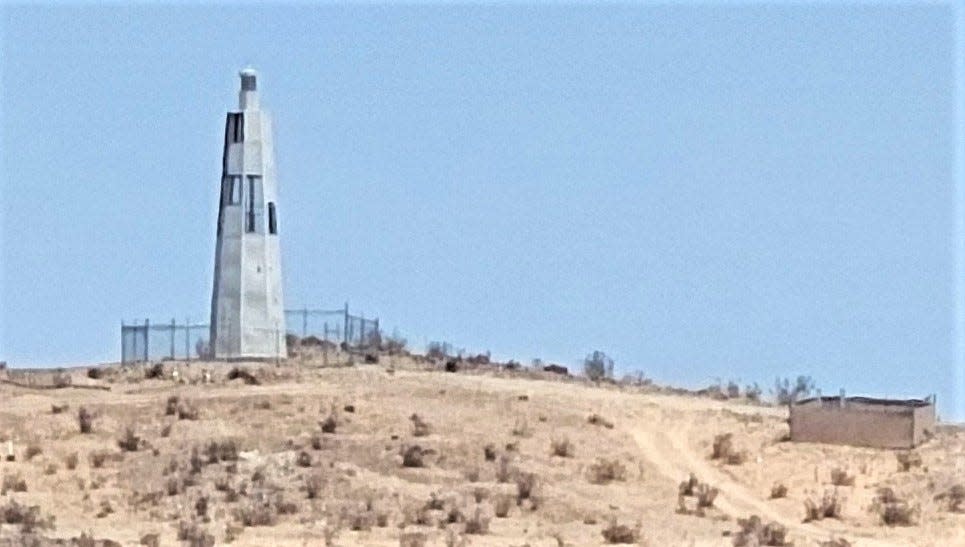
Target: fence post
[123,345]
[147,336]
[174,333]
[187,339]
[345,325]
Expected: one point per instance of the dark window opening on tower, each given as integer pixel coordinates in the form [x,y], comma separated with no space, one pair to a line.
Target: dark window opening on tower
[254,206]
[272,222]
[236,127]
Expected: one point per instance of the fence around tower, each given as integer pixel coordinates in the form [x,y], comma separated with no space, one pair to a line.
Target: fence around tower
[186,341]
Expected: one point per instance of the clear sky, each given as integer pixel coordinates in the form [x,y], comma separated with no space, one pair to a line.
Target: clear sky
[699,190]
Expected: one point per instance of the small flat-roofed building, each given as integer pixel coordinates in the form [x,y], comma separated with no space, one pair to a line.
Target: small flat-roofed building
[863,421]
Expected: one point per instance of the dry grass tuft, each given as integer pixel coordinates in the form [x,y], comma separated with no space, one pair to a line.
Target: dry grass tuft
[840,477]
[420,428]
[12,483]
[412,539]
[779,490]
[130,442]
[754,532]
[894,511]
[562,447]
[85,420]
[724,450]
[605,471]
[953,499]
[616,533]
[33,450]
[908,459]
[596,419]
[829,506]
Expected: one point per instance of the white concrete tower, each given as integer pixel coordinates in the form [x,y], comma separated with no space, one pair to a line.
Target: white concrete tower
[247,308]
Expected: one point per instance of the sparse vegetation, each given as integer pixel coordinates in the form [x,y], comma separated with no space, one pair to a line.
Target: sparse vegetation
[598,366]
[779,490]
[412,456]
[616,533]
[420,428]
[724,450]
[754,532]
[786,394]
[894,511]
[829,506]
[605,471]
[840,477]
[908,459]
[85,420]
[130,442]
[32,451]
[596,419]
[12,483]
[562,447]
[953,498]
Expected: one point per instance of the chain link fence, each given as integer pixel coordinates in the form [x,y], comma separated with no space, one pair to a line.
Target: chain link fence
[158,341]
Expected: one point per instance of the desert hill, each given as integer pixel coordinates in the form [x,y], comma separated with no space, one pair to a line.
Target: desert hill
[402,453]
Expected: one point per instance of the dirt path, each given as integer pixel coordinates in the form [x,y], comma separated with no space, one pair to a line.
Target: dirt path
[671,457]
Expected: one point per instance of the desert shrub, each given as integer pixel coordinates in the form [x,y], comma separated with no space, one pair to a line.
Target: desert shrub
[753,392]
[155,371]
[489,452]
[605,471]
[620,533]
[313,485]
[504,470]
[243,374]
[733,390]
[32,451]
[526,484]
[28,517]
[412,539]
[223,451]
[130,441]
[597,366]
[477,523]
[85,420]
[151,540]
[894,511]
[197,464]
[835,542]
[723,449]
[188,411]
[285,507]
[561,447]
[51,469]
[754,532]
[59,409]
[12,483]
[420,428]
[953,498]
[502,504]
[412,456]
[95,373]
[596,419]
[171,408]
[706,495]
[840,477]
[70,461]
[257,513]
[173,486]
[201,506]
[689,486]
[829,506]
[329,424]
[193,535]
[97,459]
[304,459]
[908,459]
[787,394]
[778,490]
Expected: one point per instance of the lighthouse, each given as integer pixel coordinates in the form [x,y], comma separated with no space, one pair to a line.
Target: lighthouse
[247,306]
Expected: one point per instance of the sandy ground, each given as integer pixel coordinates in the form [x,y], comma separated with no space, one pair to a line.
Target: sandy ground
[364,495]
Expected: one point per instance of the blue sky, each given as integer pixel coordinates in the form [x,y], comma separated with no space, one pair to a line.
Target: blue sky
[699,190]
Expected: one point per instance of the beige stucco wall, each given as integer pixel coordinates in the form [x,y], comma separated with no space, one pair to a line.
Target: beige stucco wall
[860,424]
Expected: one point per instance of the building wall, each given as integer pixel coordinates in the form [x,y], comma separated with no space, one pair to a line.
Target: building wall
[924,426]
[859,424]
